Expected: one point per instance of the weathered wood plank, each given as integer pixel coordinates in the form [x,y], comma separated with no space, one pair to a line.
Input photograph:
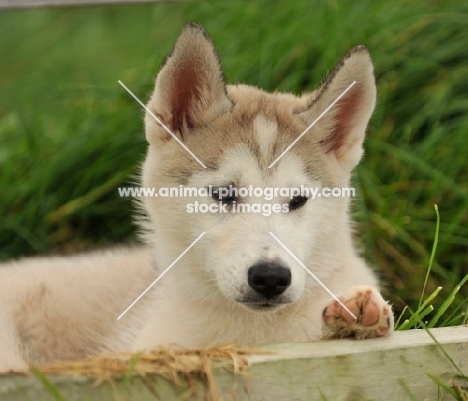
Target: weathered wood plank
[68,3]
[335,370]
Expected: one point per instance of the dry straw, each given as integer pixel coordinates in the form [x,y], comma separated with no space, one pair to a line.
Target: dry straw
[184,368]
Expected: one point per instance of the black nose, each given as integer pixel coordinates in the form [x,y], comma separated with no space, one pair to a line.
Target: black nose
[269,279]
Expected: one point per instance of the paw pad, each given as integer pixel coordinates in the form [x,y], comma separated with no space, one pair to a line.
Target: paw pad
[374,315]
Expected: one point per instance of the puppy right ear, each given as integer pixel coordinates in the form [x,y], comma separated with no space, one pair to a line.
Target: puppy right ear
[190,89]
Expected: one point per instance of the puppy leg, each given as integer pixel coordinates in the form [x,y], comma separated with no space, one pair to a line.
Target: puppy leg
[10,347]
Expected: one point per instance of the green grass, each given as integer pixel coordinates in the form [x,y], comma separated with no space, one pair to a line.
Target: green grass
[425,308]
[69,134]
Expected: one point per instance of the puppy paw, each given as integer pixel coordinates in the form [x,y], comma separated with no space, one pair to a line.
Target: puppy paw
[10,366]
[374,315]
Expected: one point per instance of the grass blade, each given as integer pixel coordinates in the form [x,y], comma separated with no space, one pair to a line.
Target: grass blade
[48,385]
[407,324]
[408,392]
[431,260]
[443,308]
[449,358]
[131,369]
[444,386]
[397,324]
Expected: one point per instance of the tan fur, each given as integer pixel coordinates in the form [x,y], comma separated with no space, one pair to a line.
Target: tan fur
[66,308]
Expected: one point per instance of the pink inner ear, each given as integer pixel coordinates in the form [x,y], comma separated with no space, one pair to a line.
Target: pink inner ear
[344,120]
[184,98]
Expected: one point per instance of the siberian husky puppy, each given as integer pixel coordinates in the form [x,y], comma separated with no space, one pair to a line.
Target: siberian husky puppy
[253,277]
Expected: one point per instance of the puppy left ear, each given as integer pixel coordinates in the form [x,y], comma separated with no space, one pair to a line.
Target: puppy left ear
[342,128]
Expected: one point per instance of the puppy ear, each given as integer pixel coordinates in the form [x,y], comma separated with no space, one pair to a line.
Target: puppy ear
[190,89]
[342,128]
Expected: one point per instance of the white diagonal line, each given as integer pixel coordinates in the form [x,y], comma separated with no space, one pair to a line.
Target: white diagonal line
[311,125]
[313,275]
[161,275]
[160,122]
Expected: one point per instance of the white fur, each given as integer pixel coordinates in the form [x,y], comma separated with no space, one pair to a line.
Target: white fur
[265,132]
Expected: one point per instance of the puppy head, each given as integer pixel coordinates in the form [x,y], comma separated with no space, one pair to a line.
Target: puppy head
[203,134]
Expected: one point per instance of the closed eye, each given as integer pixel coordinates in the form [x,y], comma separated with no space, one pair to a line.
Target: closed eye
[297,202]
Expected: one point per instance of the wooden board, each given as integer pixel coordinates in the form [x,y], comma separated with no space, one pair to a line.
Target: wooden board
[378,369]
